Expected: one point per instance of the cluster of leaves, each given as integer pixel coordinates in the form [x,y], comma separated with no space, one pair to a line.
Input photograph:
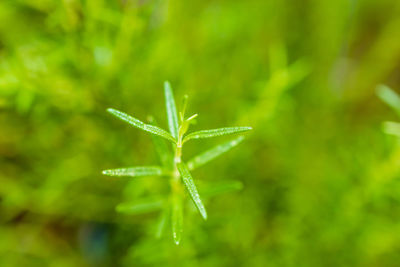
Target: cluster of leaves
[172,164]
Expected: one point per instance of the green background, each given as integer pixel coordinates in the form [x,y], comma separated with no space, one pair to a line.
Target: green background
[321,180]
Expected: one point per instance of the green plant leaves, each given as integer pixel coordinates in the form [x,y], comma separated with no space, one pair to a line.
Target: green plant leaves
[172,208]
[135,171]
[191,187]
[392,128]
[215,132]
[171,110]
[162,222]
[164,153]
[212,153]
[390,97]
[140,206]
[141,125]
[177,218]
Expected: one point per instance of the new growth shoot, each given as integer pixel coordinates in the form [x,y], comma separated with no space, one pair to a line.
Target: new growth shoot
[173,166]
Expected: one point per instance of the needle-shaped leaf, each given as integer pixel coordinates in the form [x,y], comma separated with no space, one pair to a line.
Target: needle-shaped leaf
[135,171]
[389,96]
[141,125]
[140,206]
[183,108]
[164,154]
[162,222]
[392,128]
[212,153]
[177,218]
[191,187]
[215,132]
[222,188]
[171,110]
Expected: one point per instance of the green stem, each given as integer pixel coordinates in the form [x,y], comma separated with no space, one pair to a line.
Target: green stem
[176,196]
[177,189]
[176,183]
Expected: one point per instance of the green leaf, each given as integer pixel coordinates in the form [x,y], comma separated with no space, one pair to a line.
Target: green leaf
[212,153]
[392,128]
[135,171]
[140,206]
[215,132]
[183,106]
[164,154]
[389,96]
[191,187]
[162,222]
[177,218]
[222,187]
[141,125]
[171,110]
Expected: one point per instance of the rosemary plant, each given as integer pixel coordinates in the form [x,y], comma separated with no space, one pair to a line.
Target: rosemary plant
[172,164]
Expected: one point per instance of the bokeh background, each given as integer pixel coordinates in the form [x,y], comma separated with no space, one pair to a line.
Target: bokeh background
[321,180]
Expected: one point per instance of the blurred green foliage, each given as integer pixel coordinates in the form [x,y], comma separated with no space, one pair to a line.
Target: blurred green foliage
[321,180]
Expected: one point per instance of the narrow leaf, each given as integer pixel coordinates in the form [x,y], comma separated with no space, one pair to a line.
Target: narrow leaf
[392,128]
[177,218]
[191,187]
[222,188]
[215,132]
[212,153]
[141,125]
[162,222]
[171,110]
[135,171]
[390,97]
[183,106]
[164,154]
[140,206]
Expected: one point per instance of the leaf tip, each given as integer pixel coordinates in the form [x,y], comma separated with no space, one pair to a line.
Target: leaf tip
[167,85]
[177,238]
[380,87]
[107,172]
[192,117]
[203,213]
[112,111]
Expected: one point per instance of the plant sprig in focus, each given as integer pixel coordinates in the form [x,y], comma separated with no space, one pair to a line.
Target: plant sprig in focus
[178,171]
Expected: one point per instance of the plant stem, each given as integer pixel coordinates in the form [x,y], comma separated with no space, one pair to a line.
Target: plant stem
[175,181]
[176,196]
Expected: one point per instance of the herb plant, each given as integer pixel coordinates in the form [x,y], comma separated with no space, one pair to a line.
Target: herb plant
[172,164]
